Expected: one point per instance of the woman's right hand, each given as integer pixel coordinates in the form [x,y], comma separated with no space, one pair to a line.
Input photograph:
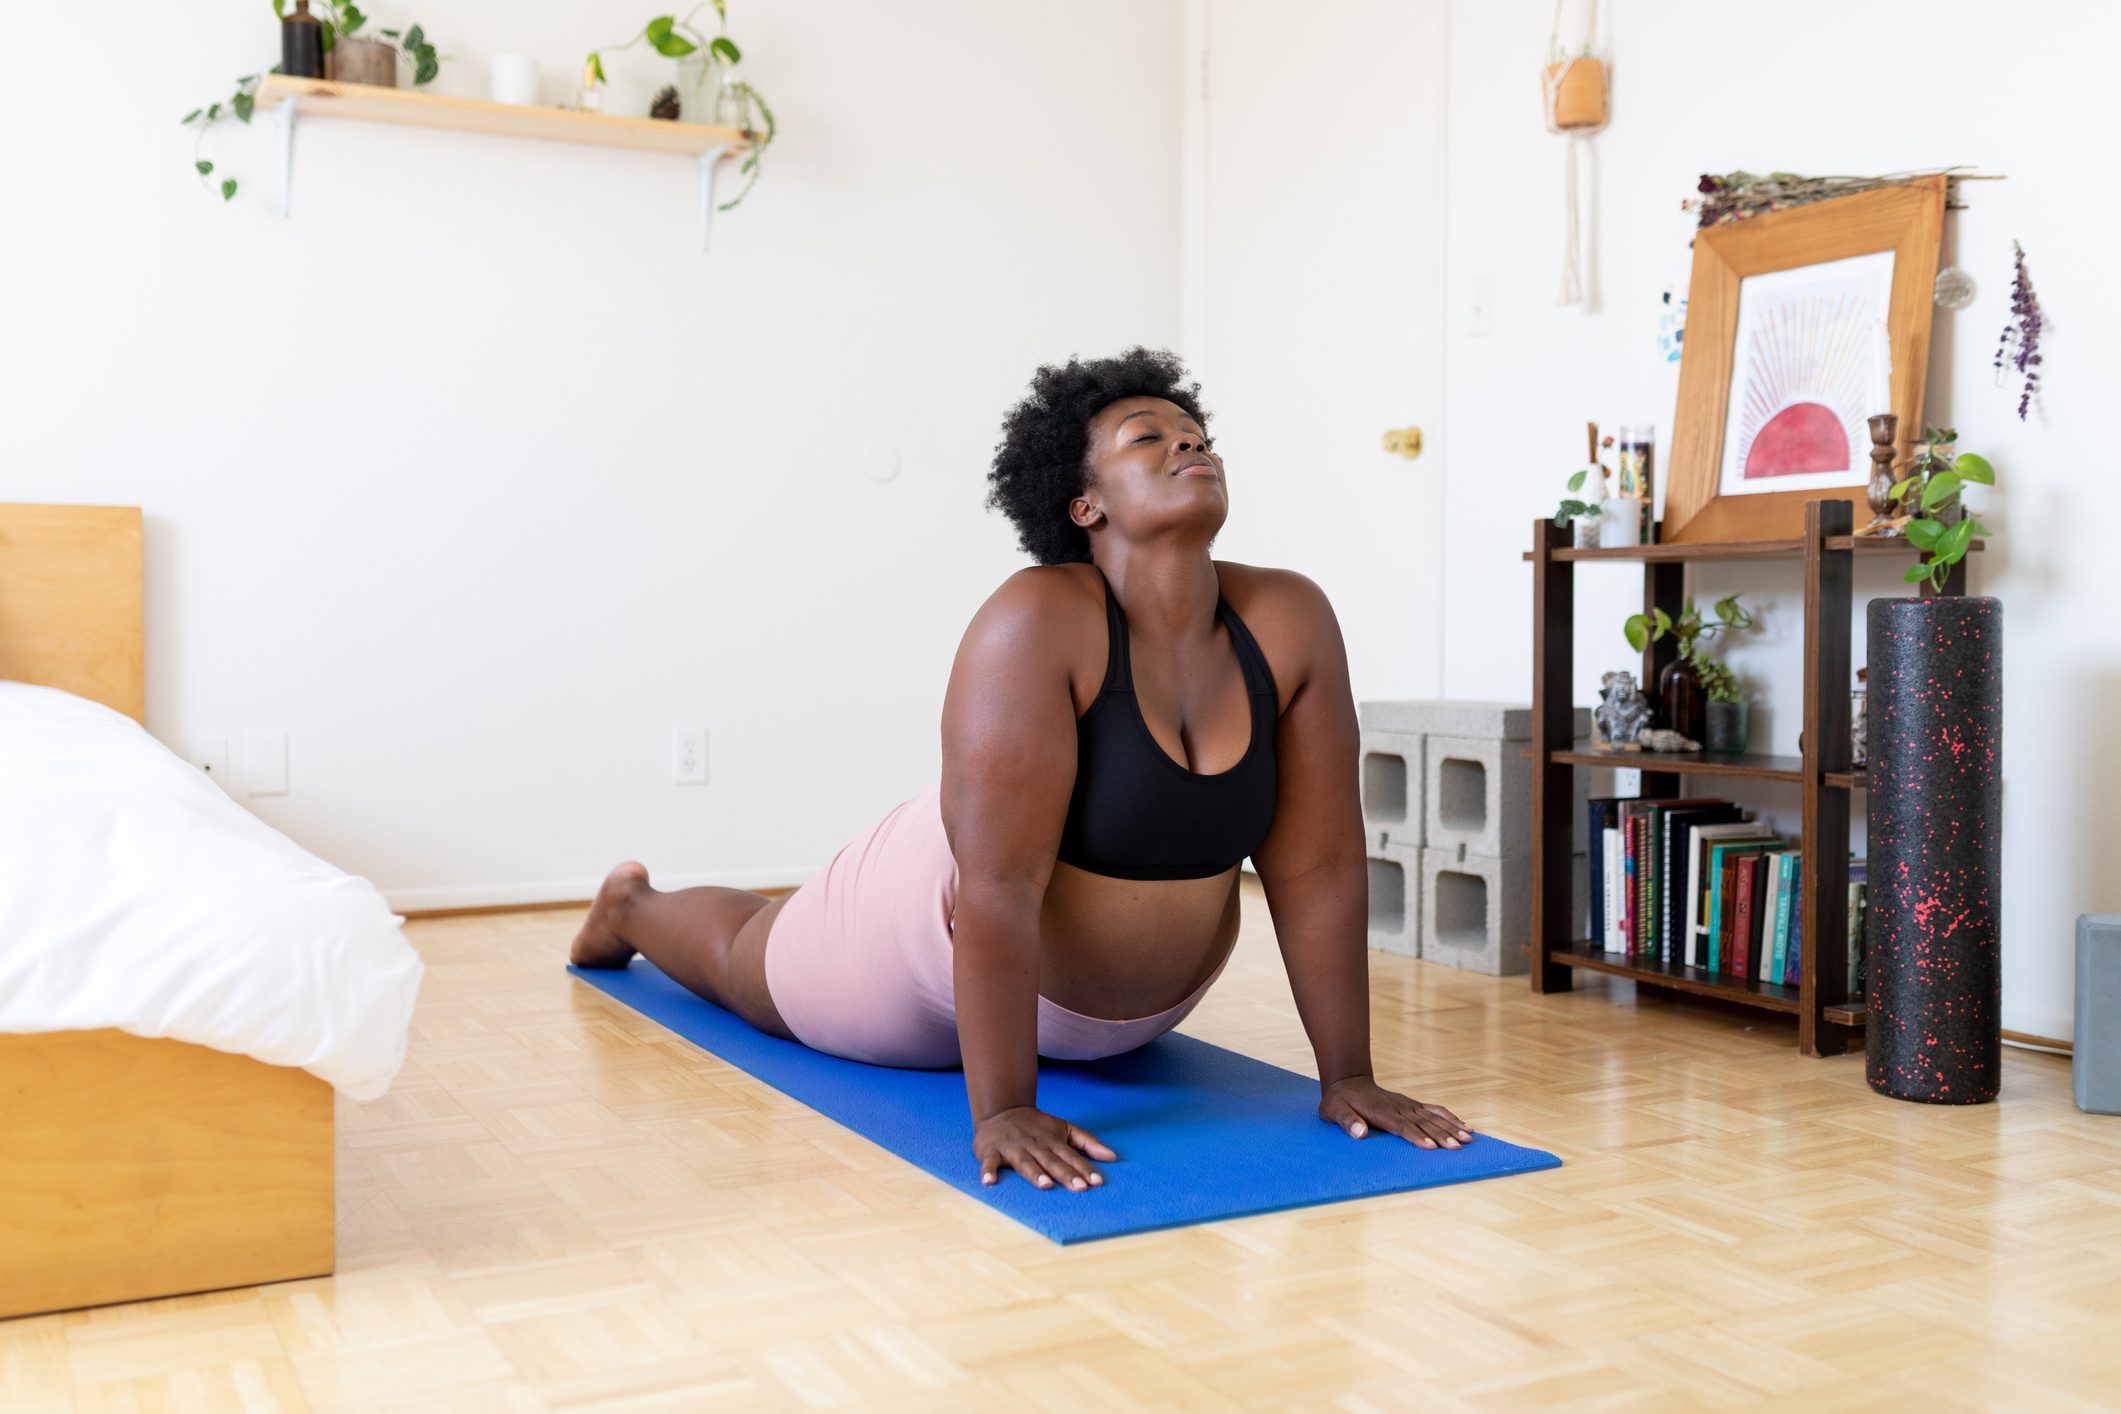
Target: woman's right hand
[1039,1146]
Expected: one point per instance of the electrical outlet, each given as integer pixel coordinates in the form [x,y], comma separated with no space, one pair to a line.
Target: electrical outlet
[688,756]
[1627,781]
[210,754]
[263,769]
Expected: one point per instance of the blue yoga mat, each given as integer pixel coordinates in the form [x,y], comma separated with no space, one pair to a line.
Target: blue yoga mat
[1201,1132]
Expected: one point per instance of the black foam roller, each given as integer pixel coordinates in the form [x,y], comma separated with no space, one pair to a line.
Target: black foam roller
[1933,925]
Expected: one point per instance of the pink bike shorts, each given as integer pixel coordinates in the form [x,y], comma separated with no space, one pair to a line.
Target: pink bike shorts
[859,958]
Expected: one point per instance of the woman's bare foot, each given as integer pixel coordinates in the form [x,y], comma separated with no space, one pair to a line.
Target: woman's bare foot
[598,944]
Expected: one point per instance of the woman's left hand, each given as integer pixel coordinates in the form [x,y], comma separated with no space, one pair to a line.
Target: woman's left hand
[1359,1105]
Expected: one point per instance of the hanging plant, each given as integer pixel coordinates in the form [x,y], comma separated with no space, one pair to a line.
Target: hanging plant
[2020,346]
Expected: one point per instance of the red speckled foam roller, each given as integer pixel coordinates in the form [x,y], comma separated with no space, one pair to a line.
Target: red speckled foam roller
[1933,923]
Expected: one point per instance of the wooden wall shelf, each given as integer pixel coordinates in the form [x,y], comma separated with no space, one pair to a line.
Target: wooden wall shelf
[290,97]
[1828,1020]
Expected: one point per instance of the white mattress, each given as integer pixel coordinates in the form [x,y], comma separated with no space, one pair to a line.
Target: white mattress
[135,894]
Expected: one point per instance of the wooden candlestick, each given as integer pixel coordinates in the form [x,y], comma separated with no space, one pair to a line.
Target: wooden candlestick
[1884,428]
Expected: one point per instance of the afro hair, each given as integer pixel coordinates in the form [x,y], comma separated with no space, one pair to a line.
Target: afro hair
[1043,458]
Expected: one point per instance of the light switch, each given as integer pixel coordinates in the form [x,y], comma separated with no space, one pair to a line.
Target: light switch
[263,769]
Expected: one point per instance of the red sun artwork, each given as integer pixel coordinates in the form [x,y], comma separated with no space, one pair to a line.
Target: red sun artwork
[1803,437]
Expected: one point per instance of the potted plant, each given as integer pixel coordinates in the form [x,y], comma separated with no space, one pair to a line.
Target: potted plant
[1934,807]
[1679,687]
[373,58]
[1581,518]
[1726,708]
[340,19]
[1937,523]
[728,100]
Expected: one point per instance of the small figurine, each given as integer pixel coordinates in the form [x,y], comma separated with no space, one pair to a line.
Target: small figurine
[1663,739]
[1621,713]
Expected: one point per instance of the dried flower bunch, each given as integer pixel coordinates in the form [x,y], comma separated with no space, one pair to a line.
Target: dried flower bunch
[2020,346]
[1737,195]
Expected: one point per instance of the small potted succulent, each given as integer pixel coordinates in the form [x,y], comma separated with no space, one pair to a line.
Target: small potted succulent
[1726,706]
[1582,518]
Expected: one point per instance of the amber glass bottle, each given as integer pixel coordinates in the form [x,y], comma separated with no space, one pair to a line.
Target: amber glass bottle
[302,43]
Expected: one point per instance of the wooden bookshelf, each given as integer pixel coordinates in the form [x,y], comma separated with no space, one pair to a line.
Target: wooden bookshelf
[1828,1020]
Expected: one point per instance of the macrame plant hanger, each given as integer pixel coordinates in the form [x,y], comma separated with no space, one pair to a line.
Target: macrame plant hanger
[1573,92]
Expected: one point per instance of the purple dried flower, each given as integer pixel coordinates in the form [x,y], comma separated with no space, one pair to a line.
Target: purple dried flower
[1708,184]
[2020,345]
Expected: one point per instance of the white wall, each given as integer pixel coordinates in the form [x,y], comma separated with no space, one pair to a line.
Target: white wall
[1812,86]
[475,477]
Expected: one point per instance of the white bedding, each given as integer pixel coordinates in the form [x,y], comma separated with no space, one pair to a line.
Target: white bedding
[134,893]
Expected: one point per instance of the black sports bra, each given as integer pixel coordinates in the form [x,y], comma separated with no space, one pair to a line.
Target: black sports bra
[1138,814]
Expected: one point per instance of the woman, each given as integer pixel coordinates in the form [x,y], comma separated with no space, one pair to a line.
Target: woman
[1126,722]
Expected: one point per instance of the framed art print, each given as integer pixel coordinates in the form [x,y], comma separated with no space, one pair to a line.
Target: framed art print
[1801,324]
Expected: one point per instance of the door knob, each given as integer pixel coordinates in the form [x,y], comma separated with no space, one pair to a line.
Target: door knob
[1404,441]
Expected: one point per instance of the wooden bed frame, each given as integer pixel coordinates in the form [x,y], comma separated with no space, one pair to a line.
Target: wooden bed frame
[134,1168]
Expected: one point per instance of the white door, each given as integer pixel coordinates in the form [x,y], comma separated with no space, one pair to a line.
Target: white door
[1314,305]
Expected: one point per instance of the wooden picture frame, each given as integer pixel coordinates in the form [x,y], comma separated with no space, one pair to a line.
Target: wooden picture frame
[1905,219]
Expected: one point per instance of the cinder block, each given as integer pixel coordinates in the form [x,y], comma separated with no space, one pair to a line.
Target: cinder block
[1476,910]
[1395,899]
[1392,783]
[1478,798]
[1488,721]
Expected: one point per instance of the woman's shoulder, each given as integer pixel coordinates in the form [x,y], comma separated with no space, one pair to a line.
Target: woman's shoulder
[1268,590]
[1287,615]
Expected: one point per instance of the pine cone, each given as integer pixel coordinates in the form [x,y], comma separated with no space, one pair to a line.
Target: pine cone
[666,103]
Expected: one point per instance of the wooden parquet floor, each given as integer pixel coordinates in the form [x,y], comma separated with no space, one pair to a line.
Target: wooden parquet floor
[562,1206]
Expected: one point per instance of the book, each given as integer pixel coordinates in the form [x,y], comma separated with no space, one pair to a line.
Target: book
[1641,821]
[1611,941]
[1794,973]
[1700,878]
[1600,810]
[1792,865]
[1674,921]
[1858,953]
[1770,896]
[1746,874]
[1658,883]
[1722,912]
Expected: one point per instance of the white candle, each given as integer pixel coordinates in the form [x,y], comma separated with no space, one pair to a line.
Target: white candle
[515,79]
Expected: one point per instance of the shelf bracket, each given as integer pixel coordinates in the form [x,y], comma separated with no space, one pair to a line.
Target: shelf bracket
[708,161]
[283,128]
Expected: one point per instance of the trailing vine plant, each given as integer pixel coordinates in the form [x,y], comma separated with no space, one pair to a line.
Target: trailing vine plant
[339,18]
[1938,525]
[675,37]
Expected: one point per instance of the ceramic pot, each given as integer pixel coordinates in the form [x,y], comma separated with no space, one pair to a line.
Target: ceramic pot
[368,61]
[1933,923]
[1583,531]
[1726,727]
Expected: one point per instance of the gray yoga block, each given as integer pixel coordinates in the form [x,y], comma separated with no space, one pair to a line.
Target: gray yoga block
[1476,910]
[1492,721]
[1395,899]
[1392,784]
[2095,1054]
